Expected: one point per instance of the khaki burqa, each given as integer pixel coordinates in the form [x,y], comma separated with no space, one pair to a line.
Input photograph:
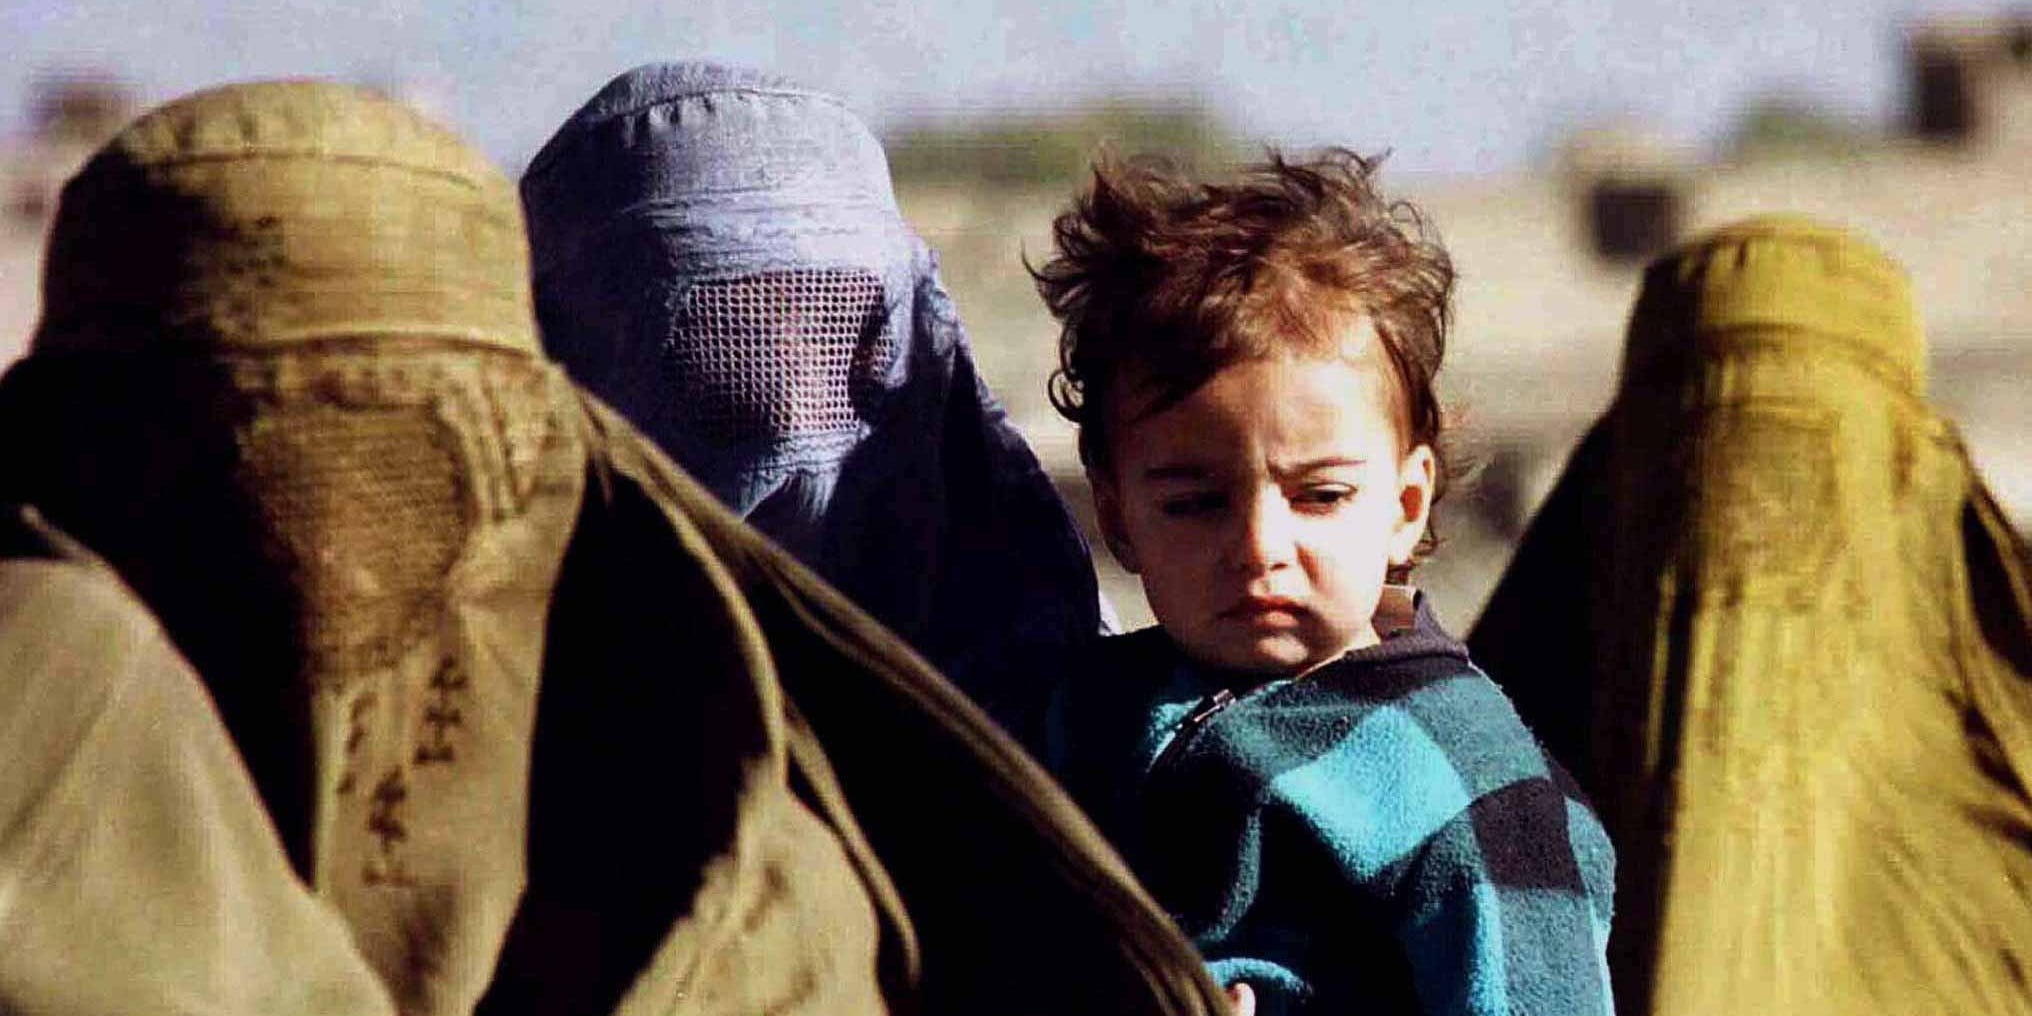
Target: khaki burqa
[1774,622]
[543,726]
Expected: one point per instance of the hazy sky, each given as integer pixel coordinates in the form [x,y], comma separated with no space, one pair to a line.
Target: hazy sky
[1463,87]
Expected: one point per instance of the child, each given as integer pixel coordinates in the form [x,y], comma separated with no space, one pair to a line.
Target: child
[1308,772]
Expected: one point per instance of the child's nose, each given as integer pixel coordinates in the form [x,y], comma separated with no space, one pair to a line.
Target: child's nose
[1264,539]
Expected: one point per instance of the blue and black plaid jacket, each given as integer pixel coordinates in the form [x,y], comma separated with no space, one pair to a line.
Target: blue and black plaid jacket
[1383,835]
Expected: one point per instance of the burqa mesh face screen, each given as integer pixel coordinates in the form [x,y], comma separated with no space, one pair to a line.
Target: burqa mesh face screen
[380,517]
[719,255]
[778,356]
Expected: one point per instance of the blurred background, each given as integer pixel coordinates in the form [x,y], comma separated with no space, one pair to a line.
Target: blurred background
[1556,145]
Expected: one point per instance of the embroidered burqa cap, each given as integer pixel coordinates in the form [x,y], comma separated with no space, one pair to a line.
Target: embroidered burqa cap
[547,727]
[1777,626]
[719,255]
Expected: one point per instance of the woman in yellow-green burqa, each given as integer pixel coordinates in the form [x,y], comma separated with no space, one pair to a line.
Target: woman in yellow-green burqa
[1779,629]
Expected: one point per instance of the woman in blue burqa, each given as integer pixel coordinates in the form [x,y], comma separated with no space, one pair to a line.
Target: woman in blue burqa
[719,254]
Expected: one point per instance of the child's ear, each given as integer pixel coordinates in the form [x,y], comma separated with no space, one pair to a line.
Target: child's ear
[1108,512]
[1417,477]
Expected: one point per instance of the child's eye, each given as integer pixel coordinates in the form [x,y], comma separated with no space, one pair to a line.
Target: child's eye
[1326,497]
[1195,505]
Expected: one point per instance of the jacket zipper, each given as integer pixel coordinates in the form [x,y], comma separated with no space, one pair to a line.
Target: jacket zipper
[1199,717]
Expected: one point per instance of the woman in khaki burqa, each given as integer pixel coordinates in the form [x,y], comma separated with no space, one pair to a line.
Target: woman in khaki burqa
[1775,623]
[528,723]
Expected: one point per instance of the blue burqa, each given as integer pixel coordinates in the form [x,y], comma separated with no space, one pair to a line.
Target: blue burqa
[718,253]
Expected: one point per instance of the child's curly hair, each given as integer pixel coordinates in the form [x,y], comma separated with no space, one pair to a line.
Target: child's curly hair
[1180,278]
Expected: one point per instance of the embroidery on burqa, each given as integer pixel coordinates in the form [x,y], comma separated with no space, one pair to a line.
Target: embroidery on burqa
[385,481]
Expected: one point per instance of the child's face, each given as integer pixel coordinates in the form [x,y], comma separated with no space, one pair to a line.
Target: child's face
[1263,510]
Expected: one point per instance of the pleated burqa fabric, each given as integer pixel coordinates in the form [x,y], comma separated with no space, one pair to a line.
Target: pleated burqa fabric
[719,255]
[535,718]
[1773,620]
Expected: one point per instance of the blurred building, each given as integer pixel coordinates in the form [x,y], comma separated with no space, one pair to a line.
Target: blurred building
[1969,82]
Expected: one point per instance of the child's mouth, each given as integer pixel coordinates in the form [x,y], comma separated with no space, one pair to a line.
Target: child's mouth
[1264,610]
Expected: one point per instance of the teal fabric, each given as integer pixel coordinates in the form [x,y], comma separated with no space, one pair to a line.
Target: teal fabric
[1382,835]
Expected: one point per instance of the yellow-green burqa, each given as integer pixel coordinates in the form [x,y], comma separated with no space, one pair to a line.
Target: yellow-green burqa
[1776,625]
[521,711]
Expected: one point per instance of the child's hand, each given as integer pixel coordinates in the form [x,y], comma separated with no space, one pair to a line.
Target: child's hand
[1243,998]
